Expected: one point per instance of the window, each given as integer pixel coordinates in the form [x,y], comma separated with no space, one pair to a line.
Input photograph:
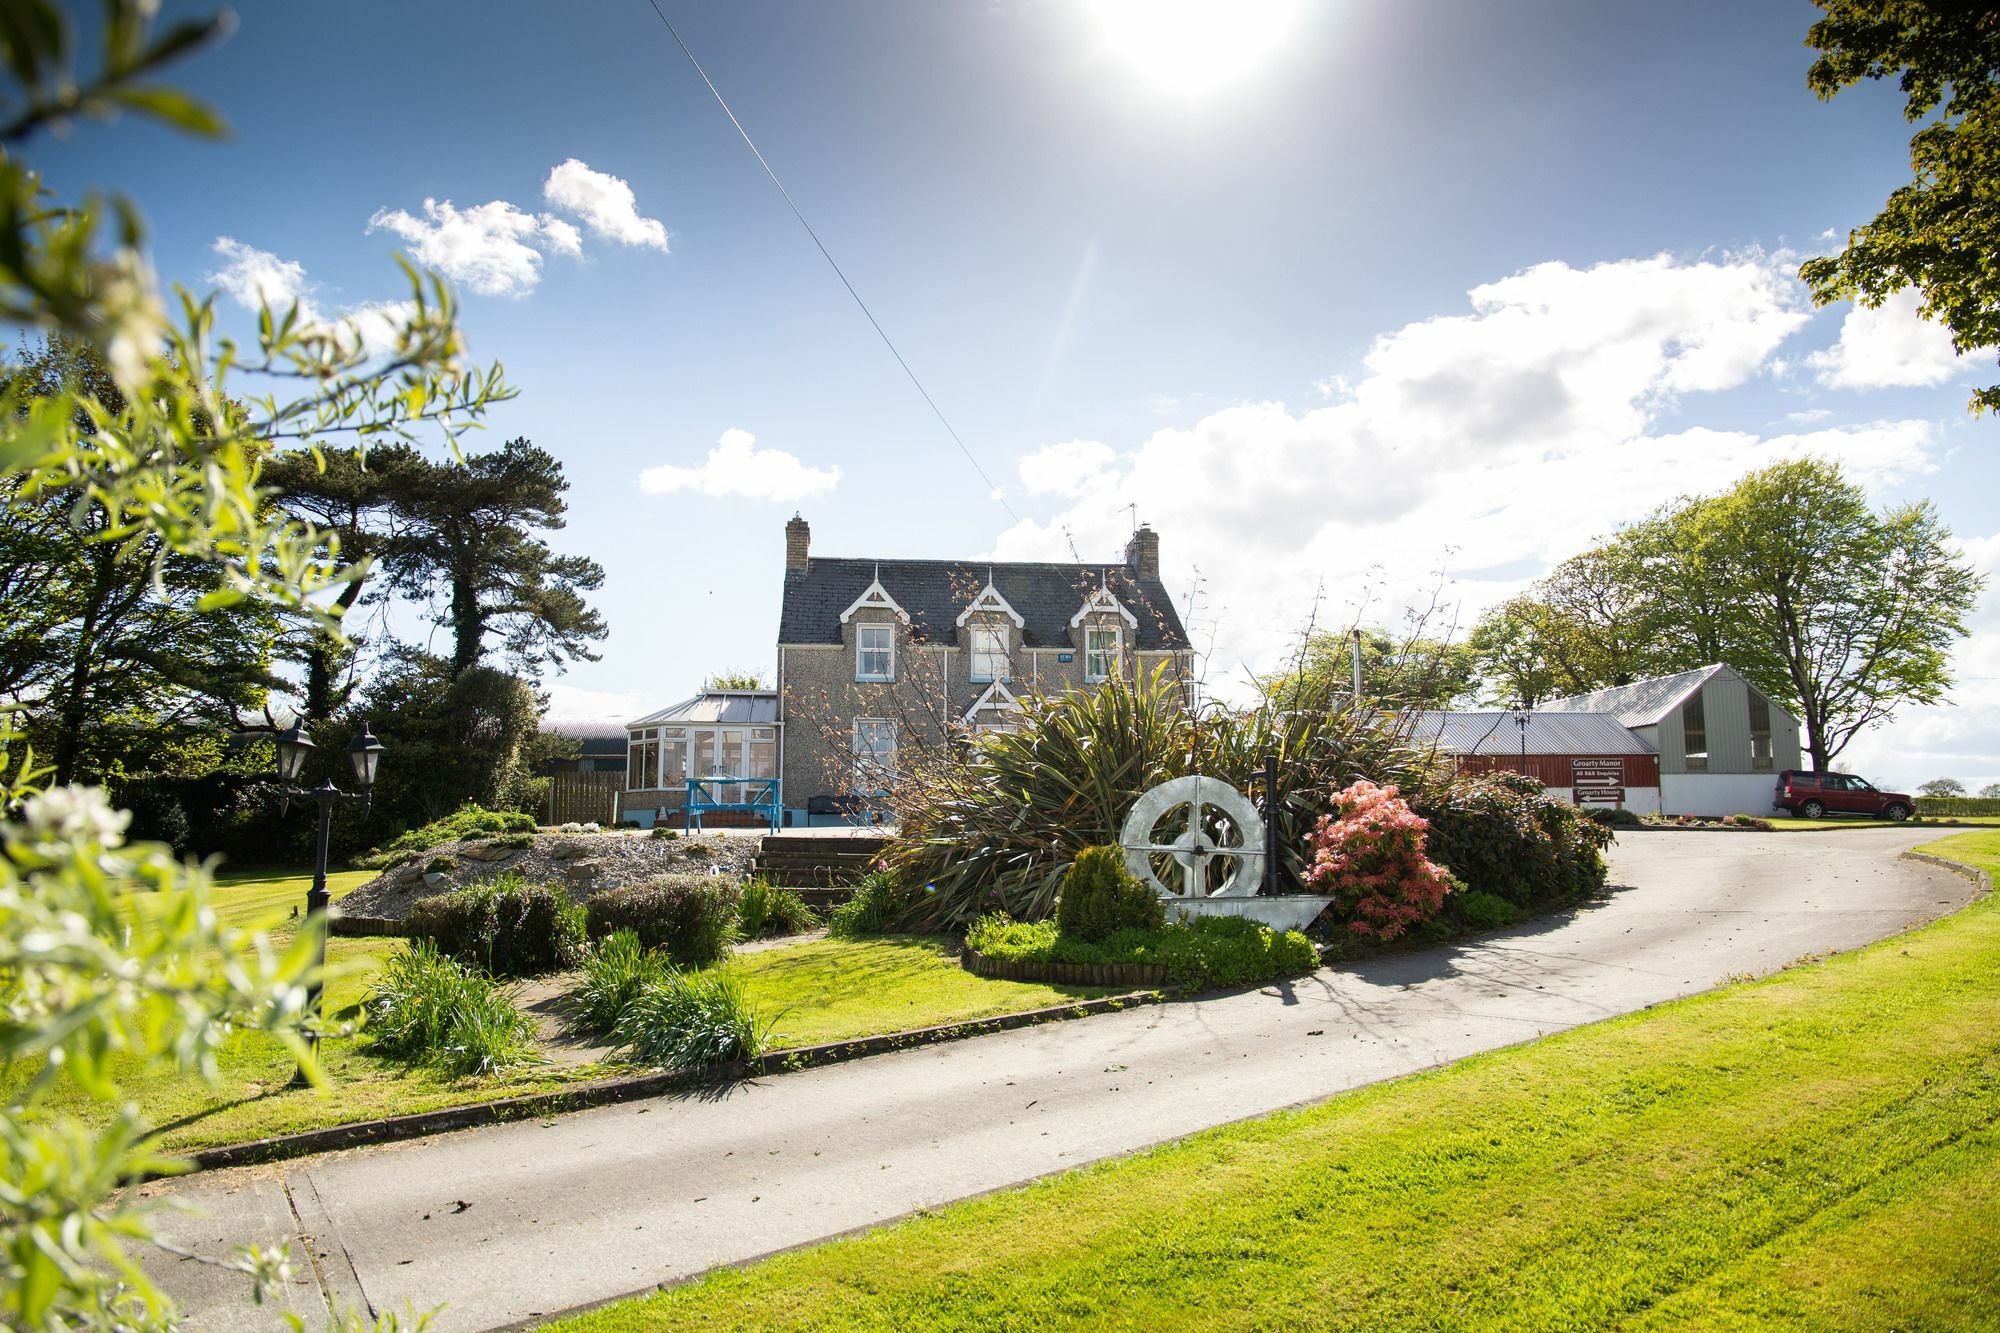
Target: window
[874,752]
[642,761]
[874,652]
[764,752]
[1694,734]
[989,653]
[1100,654]
[1760,733]
[673,757]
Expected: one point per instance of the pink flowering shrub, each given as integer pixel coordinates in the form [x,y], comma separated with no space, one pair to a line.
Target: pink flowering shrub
[1370,859]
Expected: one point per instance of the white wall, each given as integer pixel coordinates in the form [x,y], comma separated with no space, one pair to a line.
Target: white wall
[1718,793]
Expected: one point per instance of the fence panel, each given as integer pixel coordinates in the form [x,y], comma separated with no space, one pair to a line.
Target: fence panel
[584,798]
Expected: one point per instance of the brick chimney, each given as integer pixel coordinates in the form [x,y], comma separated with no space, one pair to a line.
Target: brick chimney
[798,540]
[1142,553]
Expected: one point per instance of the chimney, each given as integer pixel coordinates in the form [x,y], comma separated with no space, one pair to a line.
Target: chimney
[798,540]
[1142,553]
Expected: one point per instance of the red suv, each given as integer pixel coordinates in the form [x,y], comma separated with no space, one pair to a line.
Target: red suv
[1815,794]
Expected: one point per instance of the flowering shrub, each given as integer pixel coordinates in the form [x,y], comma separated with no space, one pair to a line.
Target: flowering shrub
[1370,858]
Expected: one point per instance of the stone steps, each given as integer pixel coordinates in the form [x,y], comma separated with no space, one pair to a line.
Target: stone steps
[820,868]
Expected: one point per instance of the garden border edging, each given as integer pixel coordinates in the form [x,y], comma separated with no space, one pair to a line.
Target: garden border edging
[608,1092]
[1063,974]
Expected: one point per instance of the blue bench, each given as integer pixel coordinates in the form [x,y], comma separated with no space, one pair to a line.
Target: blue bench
[760,795]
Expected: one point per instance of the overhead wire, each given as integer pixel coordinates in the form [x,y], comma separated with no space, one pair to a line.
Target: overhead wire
[993,491]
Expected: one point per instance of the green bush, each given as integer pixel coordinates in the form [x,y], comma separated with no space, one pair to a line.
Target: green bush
[1100,895]
[690,917]
[689,1020]
[440,865]
[764,911]
[432,1010]
[510,841]
[661,833]
[505,925]
[467,821]
[1208,953]
[615,971]
[1613,818]
[1499,832]
[1477,909]
[872,909]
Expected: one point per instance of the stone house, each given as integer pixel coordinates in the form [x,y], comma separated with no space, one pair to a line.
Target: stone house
[875,656]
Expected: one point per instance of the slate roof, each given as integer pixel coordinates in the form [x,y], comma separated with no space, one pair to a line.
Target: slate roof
[933,592]
[596,737]
[1643,702]
[1550,732]
[758,708]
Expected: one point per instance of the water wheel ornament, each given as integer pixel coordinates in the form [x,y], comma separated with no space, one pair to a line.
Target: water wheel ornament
[1236,839]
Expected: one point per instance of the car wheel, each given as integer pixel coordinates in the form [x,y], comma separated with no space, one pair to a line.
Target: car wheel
[1812,810]
[1898,813]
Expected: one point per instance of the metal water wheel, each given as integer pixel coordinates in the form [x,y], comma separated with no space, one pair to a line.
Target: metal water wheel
[1219,826]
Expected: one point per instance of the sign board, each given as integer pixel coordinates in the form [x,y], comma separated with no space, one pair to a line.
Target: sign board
[1598,781]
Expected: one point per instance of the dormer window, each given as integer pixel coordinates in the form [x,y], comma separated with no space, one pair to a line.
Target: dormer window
[1102,649]
[874,652]
[989,653]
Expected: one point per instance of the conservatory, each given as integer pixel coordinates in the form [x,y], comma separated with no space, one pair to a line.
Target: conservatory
[709,759]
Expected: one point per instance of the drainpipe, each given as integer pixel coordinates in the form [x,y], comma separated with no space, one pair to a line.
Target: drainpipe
[1354,647]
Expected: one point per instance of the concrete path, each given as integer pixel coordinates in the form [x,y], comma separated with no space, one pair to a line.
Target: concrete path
[509,1223]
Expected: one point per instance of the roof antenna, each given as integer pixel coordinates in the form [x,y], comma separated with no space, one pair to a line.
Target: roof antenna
[1134,507]
[1072,545]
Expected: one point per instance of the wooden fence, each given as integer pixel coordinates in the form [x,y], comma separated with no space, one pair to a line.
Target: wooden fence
[584,798]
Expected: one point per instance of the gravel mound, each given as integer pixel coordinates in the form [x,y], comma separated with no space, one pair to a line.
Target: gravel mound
[584,863]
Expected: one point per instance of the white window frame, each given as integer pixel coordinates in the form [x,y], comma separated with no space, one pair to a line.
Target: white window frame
[1116,662]
[861,650]
[986,673]
[874,768]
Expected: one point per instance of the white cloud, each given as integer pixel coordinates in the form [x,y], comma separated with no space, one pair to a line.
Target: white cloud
[1065,469]
[735,466]
[491,247]
[1888,346]
[1496,442]
[255,278]
[1807,416]
[573,703]
[605,203]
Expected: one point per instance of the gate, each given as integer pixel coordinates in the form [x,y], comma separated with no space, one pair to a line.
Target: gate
[584,798]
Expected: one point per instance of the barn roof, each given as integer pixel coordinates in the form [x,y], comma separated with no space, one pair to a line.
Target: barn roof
[1643,702]
[1548,733]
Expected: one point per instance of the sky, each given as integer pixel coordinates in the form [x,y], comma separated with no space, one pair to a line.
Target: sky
[1353,303]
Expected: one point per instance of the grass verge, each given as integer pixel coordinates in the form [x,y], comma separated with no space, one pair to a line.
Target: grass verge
[1818,1149]
[1794,824]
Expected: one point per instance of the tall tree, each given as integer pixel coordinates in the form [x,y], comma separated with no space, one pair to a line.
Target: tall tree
[1941,232]
[1516,650]
[351,496]
[465,542]
[1841,614]
[114,631]
[1414,672]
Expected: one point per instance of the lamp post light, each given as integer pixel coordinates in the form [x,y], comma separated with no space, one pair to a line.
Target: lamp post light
[1521,721]
[364,753]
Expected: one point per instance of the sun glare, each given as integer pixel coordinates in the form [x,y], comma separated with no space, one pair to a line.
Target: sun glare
[1193,47]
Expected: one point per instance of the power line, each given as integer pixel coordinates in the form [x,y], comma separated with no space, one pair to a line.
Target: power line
[992,490]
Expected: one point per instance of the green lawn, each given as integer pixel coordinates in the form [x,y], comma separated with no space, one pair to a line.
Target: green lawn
[831,989]
[1816,1150]
[822,991]
[1792,823]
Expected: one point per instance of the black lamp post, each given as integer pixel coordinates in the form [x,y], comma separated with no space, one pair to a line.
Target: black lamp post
[1521,721]
[364,752]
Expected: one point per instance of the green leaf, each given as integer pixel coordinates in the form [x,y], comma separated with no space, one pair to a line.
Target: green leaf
[173,107]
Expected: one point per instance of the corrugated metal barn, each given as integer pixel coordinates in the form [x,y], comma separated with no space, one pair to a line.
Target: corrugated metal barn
[1547,750]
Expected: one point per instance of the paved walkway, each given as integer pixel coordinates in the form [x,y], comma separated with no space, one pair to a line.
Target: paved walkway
[507,1223]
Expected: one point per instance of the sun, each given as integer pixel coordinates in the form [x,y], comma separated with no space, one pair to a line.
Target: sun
[1193,48]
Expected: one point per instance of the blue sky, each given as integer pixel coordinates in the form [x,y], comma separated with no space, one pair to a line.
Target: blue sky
[1400,288]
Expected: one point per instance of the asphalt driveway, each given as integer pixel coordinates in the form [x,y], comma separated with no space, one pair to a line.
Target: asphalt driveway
[508,1223]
